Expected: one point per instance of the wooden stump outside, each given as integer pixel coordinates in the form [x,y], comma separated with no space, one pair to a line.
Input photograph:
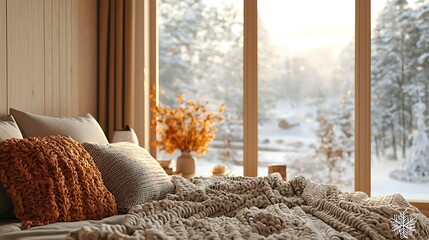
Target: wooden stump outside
[280,168]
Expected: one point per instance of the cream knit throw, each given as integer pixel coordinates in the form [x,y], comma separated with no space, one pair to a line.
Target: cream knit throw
[260,208]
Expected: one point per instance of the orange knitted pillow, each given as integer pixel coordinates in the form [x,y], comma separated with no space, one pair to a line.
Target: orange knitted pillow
[53,179]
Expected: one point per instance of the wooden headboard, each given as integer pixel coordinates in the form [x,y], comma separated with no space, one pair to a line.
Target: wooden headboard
[48,56]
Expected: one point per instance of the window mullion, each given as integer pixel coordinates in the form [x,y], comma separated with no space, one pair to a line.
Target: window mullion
[151,72]
[363,96]
[250,88]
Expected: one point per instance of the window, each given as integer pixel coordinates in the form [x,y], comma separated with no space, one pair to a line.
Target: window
[372,135]
[200,57]
[400,98]
[306,89]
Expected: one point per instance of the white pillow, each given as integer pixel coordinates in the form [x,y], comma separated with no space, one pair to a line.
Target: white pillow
[9,129]
[82,129]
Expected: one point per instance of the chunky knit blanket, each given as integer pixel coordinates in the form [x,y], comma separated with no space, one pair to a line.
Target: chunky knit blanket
[261,208]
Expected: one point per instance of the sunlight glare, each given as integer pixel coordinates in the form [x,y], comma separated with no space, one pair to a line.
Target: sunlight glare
[307,25]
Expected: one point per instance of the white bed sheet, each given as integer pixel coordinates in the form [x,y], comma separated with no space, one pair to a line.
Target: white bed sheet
[11,230]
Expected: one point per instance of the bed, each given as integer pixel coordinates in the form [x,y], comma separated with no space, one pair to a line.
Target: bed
[244,208]
[58,180]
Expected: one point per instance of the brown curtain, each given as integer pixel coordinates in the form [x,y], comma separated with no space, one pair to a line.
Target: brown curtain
[116,64]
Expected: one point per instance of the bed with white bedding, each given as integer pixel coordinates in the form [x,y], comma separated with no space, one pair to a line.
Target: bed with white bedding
[245,208]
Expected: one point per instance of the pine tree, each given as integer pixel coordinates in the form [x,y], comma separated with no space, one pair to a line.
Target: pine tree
[416,167]
[393,67]
[422,47]
[194,38]
[418,162]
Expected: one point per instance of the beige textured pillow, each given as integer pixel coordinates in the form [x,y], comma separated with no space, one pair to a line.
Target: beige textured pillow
[8,129]
[130,173]
[82,129]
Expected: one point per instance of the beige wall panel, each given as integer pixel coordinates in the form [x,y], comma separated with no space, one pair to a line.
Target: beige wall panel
[3,63]
[75,62]
[55,58]
[48,56]
[48,59]
[63,57]
[69,92]
[25,38]
[84,56]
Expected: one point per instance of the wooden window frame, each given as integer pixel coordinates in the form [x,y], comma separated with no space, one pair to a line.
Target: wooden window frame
[363,96]
[250,88]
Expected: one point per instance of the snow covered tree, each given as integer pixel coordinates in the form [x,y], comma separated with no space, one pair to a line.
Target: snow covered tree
[417,164]
[231,131]
[344,110]
[393,64]
[416,167]
[270,74]
[194,39]
[422,47]
[336,122]
[330,151]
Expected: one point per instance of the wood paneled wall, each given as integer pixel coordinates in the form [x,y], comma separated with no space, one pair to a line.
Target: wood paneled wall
[48,56]
[3,68]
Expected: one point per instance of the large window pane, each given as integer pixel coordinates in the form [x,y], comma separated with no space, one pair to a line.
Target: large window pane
[201,58]
[400,98]
[306,89]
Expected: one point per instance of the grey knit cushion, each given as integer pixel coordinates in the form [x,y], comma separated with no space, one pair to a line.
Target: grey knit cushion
[130,173]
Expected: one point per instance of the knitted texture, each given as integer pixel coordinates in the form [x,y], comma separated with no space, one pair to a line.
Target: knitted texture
[260,208]
[8,129]
[53,179]
[130,173]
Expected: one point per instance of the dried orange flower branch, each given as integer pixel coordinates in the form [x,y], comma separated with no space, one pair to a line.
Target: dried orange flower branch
[189,127]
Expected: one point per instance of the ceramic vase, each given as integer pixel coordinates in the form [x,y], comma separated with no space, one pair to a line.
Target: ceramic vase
[185,164]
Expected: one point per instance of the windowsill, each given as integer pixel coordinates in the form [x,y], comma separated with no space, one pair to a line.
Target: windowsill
[422,206]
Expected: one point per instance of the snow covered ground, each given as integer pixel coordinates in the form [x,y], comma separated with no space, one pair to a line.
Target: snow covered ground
[382,184]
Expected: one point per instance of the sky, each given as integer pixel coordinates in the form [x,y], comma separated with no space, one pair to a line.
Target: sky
[305,24]
[308,25]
